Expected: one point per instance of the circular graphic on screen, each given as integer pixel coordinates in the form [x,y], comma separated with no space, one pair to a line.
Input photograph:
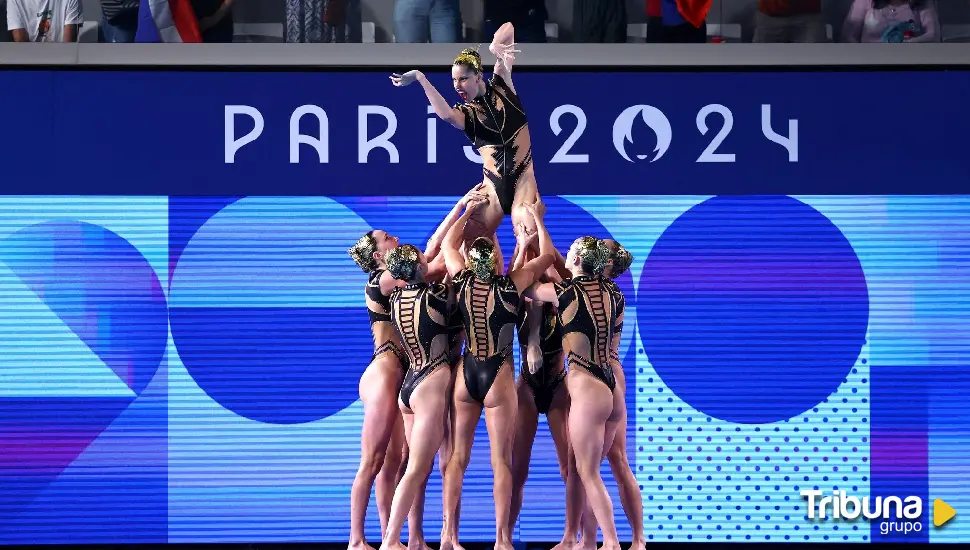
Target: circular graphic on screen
[752,309]
[83,329]
[101,289]
[267,309]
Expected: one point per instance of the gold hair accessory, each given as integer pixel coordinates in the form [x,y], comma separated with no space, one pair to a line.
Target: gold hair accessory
[593,254]
[470,58]
[363,252]
[402,262]
[622,259]
[481,256]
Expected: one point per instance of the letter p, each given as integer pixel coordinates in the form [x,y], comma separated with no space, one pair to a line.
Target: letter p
[233,144]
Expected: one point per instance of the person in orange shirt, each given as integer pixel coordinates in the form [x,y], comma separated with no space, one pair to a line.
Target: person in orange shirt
[789,21]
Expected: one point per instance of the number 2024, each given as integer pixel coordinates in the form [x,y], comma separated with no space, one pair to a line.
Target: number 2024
[709,154]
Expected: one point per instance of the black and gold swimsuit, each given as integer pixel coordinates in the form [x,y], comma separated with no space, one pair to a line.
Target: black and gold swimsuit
[420,313]
[620,301]
[545,382]
[489,310]
[379,311]
[589,305]
[496,124]
[456,334]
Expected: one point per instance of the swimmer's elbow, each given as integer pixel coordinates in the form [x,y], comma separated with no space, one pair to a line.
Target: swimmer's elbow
[454,117]
[530,291]
[444,113]
[532,271]
[543,263]
[504,35]
[540,292]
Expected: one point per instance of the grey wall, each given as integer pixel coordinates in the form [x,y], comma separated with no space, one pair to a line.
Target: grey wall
[91,9]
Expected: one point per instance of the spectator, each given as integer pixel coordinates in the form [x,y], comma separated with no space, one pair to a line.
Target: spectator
[312,21]
[342,21]
[599,21]
[789,21]
[215,20]
[4,33]
[427,21]
[891,21]
[44,20]
[677,21]
[119,21]
[527,16]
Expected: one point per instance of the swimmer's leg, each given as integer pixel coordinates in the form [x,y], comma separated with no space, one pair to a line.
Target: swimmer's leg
[485,220]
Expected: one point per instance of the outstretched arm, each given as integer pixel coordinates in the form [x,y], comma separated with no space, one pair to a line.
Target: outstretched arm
[560,267]
[434,243]
[441,108]
[453,239]
[437,270]
[546,248]
[542,292]
[445,112]
[514,263]
[523,242]
[534,268]
[499,259]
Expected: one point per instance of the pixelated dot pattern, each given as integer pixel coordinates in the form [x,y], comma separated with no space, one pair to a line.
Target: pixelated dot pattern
[704,479]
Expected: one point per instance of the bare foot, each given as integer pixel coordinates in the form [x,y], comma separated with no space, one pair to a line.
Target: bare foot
[565,544]
[418,545]
[395,546]
[583,544]
[449,544]
[639,545]
[359,545]
[504,545]
[610,546]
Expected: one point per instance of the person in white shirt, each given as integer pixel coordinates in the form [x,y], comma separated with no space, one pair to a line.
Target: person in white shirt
[44,20]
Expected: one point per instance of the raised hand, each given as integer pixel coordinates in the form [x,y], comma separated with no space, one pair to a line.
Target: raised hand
[405,79]
[537,209]
[524,238]
[474,203]
[476,193]
[533,356]
[505,52]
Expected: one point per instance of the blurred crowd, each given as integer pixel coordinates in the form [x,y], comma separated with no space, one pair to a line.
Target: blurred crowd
[452,21]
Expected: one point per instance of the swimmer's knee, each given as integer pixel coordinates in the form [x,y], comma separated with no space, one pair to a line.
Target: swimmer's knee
[520,214]
[522,218]
[616,456]
[563,471]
